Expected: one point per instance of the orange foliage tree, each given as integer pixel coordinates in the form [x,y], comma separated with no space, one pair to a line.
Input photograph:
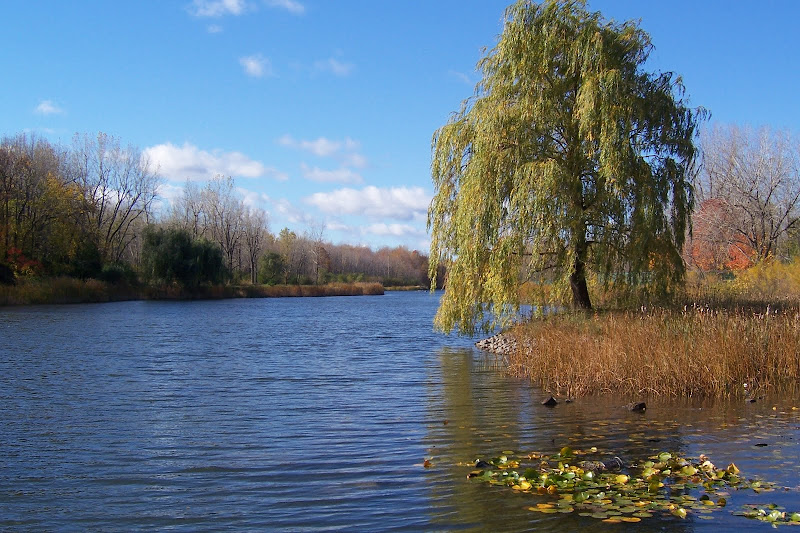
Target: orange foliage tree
[715,245]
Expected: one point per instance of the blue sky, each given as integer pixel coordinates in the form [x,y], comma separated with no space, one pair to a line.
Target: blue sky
[323,110]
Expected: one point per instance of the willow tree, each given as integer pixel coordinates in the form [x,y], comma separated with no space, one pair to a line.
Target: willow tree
[570,161]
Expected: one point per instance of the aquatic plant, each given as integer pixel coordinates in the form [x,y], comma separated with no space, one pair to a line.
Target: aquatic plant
[576,481]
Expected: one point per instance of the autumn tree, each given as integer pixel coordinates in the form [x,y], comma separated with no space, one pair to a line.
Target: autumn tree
[752,177]
[714,246]
[569,160]
[292,254]
[39,205]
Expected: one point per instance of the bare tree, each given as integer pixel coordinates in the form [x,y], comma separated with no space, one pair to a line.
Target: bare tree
[187,211]
[754,179]
[256,235]
[317,251]
[224,216]
[119,185]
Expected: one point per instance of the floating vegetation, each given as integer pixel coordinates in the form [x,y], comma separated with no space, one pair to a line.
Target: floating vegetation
[771,513]
[575,481]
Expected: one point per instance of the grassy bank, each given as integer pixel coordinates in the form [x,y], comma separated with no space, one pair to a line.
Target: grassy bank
[65,290]
[696,350]
[407,288]
[70,290]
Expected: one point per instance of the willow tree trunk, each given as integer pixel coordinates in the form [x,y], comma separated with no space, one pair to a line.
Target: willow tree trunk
[577,279]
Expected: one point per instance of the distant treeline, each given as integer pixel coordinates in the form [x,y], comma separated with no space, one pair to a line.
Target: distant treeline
[91,211]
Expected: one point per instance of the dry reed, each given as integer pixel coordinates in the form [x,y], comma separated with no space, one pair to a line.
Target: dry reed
[66,290]
[694,351]
[63,290]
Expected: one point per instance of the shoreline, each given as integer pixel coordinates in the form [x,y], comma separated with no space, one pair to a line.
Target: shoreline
[63,291]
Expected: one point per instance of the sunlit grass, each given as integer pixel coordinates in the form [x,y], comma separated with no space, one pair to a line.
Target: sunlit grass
[724,336]
[691,351]
[329,289]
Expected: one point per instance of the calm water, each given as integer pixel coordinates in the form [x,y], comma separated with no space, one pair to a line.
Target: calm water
[312,414]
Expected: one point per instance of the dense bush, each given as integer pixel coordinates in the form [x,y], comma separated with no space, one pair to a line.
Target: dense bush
[6,275]
[172,255]
[116,273]
[270,269]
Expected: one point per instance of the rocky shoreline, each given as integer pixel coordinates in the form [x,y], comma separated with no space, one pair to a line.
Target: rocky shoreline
[503,344]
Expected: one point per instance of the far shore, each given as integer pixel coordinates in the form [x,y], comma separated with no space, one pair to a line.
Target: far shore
[74,291]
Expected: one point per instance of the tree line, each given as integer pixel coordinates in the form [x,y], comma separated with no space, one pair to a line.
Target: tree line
[73,211]
[91,210]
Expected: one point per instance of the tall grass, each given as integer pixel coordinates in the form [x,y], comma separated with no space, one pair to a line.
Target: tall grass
[70,290]
[329,289]
[63,290]
[687,352]
[725,336]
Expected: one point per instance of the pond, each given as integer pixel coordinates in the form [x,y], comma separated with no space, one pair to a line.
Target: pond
[318,414]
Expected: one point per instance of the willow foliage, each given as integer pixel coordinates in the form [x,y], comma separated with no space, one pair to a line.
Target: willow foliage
[569,161]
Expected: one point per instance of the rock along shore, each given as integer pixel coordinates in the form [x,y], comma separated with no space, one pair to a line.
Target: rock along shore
[501,344]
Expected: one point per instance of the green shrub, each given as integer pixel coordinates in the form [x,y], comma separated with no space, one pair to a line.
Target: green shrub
[173,256]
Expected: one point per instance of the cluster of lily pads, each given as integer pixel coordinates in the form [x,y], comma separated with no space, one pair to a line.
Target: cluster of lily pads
[614,492]
[771,513]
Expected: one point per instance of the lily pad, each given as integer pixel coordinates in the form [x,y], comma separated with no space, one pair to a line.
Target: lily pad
[674,485]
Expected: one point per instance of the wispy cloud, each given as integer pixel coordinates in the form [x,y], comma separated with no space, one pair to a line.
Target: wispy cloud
[321,146]
[189,162]
[393,230]
[217,8]
[256,66]
[460,76]
[334,66]
[399,203]
[292,6]
[345,151]
[214,28]
[340,175]
[47,107]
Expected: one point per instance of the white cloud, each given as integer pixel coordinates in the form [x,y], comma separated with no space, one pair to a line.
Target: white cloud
[188,162]
[217,8]
[170,192]
[47,107]
[292,6]
[334,66]
[400,203]
[334,225]
[393,230]
[341,175]
[253,198]
[256,65]
[214,28]
[291,213]
[344,151]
